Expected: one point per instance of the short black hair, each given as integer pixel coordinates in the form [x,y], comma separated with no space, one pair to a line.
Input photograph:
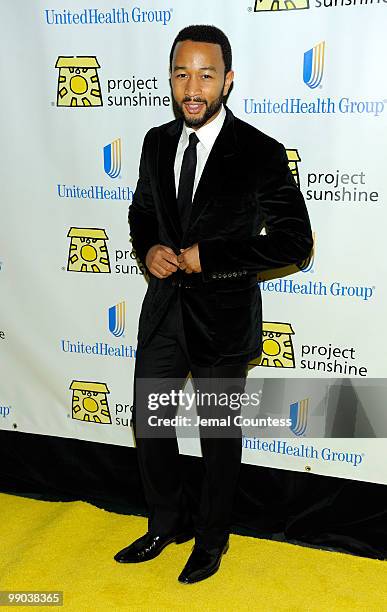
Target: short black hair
[206,34]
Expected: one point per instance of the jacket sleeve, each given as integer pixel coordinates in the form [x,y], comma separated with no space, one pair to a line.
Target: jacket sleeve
[142,214]
[288,238]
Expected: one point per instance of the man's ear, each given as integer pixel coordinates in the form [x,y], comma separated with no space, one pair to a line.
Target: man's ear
[227,82]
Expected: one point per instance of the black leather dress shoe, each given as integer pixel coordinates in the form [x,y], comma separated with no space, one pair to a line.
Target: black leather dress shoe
[149,546]
[202,564]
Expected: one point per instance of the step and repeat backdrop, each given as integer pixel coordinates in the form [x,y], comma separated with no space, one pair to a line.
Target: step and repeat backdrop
[82,82]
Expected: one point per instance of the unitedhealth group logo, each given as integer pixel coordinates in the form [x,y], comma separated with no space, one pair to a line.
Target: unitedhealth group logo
[105,17]
[299,416]
[5,411]
[112,158]
[117,319]
[100,348]
[314,65]
[291,103]
[112,164]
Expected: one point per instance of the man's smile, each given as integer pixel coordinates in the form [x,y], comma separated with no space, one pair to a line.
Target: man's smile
[194,107]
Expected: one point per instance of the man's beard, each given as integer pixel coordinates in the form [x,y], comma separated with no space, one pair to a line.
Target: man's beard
[210,111]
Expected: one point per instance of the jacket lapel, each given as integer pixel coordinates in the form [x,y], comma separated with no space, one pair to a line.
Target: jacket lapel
[212,179]
[216,170]
[166,178]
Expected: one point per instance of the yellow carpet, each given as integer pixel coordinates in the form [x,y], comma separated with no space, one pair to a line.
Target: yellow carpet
[70,547]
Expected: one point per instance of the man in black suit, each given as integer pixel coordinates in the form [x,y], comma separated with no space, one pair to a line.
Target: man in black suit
[208,184]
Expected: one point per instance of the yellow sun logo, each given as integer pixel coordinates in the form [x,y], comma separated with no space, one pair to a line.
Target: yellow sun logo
[89,402]
[78,83]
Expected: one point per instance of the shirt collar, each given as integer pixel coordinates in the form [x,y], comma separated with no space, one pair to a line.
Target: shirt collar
[208,133]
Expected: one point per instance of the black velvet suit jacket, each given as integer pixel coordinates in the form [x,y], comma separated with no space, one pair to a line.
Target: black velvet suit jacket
[246,184]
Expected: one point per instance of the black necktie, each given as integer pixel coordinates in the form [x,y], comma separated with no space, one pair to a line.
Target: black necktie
[186,181]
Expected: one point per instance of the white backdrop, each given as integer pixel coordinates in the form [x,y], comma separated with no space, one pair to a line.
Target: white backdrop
[311,77]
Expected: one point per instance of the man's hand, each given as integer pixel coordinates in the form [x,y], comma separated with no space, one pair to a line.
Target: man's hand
[189,260]
[161,261]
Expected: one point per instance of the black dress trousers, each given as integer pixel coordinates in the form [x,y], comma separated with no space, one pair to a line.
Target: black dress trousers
[166,357]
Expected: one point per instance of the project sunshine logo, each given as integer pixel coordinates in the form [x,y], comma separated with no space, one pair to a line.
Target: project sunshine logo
[78,82]
[277,346]
[88,251]
[294,5]
[293,161]
[90,402]
[280,5]
[278,352]
[338,186]
[78,86]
